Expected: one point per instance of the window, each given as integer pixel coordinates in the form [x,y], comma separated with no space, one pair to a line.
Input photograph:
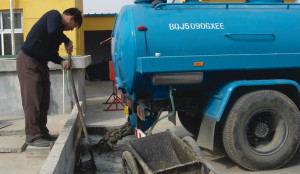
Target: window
[5,32]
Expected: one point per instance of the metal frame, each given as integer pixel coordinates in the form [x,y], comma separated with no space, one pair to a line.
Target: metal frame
[116,100]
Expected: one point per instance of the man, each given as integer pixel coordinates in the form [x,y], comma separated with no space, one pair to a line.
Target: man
[40,47]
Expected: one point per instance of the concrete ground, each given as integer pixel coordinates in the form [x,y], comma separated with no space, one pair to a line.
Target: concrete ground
[12,139]
[96,94]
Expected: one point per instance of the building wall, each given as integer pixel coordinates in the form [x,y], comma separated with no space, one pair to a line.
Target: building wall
[97,28]
[94,23]
[33,9]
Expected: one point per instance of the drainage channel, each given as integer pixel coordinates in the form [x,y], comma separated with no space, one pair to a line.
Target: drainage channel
[65,154]
[106,162]
[108,146]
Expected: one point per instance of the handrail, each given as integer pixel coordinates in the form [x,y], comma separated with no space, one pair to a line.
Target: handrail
[159,6]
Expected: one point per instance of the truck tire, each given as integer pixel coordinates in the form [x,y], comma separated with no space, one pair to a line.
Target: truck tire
[129,164]
[261,131]
[190,122]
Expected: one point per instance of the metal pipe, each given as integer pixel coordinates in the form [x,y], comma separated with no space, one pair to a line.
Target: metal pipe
[177,78]
[12,24]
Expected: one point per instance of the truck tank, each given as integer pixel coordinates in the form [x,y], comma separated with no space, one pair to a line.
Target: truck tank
[202,29]
[223,59]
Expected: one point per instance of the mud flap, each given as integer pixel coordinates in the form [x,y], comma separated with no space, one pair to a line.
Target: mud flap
[206,133]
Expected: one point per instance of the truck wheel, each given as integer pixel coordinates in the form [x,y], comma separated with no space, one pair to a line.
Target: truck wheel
[129,164]
[262,130]
[190,122]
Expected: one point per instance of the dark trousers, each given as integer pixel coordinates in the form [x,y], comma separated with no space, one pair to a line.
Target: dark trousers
[35,93]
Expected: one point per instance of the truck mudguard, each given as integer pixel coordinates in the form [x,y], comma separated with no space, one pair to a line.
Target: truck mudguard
[218,102]
[219,99]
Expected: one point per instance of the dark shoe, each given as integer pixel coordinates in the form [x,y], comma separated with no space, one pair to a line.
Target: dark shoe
[49,137]
[39,142]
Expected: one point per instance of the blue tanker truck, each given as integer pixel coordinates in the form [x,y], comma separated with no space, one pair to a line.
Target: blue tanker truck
[231,71]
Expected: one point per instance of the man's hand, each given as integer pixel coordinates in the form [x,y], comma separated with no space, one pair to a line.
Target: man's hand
[69,48]
[65,64]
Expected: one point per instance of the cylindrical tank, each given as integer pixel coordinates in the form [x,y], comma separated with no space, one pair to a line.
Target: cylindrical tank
[199,29]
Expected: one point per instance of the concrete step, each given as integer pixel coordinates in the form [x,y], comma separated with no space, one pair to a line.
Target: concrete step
[36,152]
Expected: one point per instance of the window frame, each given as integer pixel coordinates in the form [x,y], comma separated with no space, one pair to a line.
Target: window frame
[8,31]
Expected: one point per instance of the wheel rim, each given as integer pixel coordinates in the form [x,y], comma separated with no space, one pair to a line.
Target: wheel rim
[266,132]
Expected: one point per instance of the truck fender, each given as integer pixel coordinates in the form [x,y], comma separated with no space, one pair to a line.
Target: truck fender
[218,102]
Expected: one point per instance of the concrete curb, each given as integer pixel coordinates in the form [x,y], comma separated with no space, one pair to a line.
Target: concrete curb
[59,101]
[62,157]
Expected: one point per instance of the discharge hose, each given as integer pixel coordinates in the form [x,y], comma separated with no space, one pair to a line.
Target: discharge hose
[165,116]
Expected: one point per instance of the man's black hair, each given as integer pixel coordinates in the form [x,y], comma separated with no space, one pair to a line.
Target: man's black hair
[76,13]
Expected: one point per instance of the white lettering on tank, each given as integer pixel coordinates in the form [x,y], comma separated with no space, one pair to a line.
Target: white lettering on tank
[222,26]
[186,26]
[196,26]
[181,27]
[207,25]
[171,26]
[177,26]
[193,26]
[202,26]
[217,26]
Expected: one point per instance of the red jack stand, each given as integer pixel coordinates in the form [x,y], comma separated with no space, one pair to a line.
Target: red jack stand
[116,99]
